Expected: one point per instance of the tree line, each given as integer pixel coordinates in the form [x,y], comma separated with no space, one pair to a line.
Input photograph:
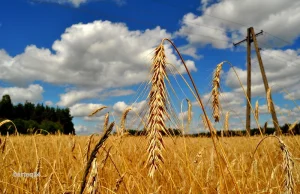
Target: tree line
[30,118]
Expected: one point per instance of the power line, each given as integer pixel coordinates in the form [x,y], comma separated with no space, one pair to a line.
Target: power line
[230,21]
[97,13]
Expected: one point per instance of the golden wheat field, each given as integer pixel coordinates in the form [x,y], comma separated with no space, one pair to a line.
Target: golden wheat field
[190,165]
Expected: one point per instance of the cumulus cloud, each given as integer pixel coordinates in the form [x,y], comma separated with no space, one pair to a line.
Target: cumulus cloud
[97,55]
[84,109]
[71,97]
[33,93]
[293,95]
[210,29]
[281,74]
[80,128]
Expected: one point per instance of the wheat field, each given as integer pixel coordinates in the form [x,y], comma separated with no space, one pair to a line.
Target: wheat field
[190,165]
[157,162]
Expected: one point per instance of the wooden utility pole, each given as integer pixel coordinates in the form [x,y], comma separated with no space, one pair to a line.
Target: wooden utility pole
[249,40]
[264,77]
[251,37]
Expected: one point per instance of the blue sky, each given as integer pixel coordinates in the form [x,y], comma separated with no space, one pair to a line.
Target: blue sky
[84,54]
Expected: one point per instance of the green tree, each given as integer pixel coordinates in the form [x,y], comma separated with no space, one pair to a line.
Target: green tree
[6,107]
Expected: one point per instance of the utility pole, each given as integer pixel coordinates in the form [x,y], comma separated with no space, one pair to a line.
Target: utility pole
[251,37]
[249,40]
[265,80]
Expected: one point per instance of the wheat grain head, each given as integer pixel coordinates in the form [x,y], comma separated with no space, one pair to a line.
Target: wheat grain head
[216,93]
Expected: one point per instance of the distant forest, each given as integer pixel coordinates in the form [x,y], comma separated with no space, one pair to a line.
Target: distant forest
[30,118]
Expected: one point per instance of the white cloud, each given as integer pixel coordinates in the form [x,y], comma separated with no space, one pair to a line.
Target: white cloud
[293,95]
[189,51]
[83,109]
[117,92]
[281,74]
[33,93]
[80,128]
[209,28]
[71,97]
[87,56]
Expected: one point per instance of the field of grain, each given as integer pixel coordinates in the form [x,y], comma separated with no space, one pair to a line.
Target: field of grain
[190,165]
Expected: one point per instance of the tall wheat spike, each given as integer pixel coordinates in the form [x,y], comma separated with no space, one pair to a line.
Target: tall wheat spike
[256,112]
[123,119]
[287,166]
[91,186]
[97,110]
[189,113]
[157,111]
[215,93]
[106,120]
[269,101]
[204,122]
[226,124]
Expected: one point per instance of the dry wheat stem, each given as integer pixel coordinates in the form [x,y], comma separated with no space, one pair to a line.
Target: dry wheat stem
[287,165]
[189,112]
[226,124]
[93,155]
[269,101]
[8,121]
[291,127]
[87,148]
[256,110]
[123,119]
[157,111]
[106,120]
[91,186]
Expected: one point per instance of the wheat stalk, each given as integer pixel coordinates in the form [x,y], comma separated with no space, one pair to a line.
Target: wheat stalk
[87,149]
[256,112]
[189,113]
[292,126]
[91,186]
[157,113]
[204,122]
[215,93]
[8,121]
[97,110]
[106,120]
[269,101]
[37,170]
[123,119]
[287,166]
[118,182]
[226,123]
[93,155]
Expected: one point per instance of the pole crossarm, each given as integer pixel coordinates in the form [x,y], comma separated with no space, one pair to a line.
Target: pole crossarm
[251,38]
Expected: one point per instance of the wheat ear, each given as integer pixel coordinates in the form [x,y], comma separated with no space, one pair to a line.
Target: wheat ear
[157,111]
[269,101]
[97,110]
[215,93]
[189,113]
[226,124]
[87,148]
[91,186]
[93,155]
[256,112]
[287,166]
[123,119]
[106,120]
[8,121]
